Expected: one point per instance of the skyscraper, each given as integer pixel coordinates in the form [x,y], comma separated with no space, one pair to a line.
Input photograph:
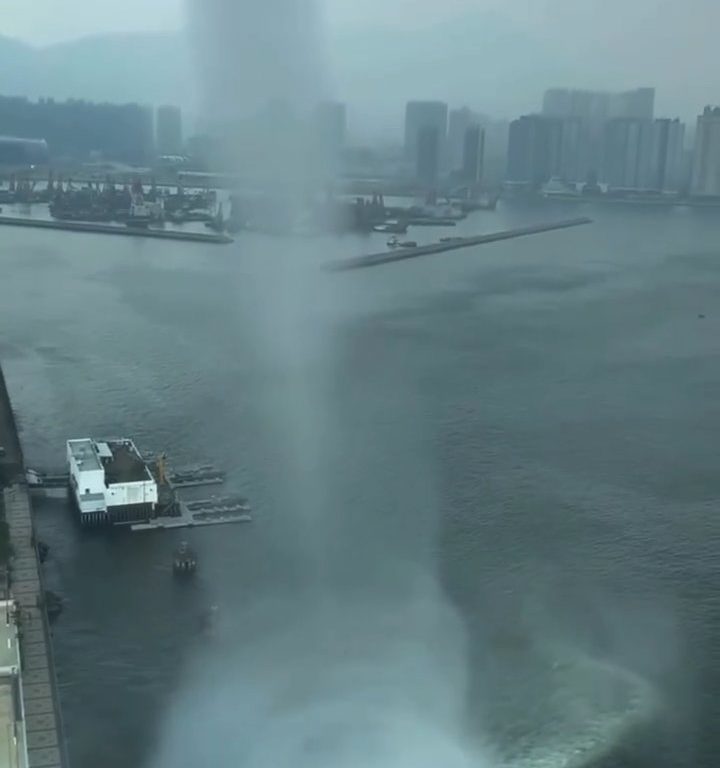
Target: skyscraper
[424,114]
[473,154]
[577,150]
[706,158]
[668,145]
[535,150]
[168,130]
[628,153]
[586,114]
[428,155]
[638,104]
[564,102]
[331,125]
[458,123]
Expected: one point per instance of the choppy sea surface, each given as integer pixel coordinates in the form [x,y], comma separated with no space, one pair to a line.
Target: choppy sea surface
[485,489]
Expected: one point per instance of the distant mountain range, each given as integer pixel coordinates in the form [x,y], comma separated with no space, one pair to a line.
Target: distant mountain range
[152,68]
[484,62]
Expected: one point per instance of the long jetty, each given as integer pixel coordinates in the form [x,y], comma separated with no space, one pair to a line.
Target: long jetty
[455,244]
[109,229]
[37,717]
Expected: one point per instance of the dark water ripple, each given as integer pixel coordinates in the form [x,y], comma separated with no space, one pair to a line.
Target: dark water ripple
[485,488]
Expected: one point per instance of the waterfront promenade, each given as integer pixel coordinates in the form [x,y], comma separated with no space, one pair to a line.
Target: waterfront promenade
[34,720]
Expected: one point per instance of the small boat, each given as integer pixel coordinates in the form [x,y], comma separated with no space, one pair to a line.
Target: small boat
[451,239]
[393,242]
[185,217]
[391,227]
[43,550]
[408,244]
[184,560]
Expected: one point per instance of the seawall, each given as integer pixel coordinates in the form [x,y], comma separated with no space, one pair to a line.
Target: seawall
[38,711]
[109,229]
[402,254]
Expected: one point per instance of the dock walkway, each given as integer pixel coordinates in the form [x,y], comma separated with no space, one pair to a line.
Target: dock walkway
[38,712]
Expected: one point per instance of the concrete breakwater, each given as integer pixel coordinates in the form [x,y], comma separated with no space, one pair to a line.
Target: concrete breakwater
[110,229]
[402,254]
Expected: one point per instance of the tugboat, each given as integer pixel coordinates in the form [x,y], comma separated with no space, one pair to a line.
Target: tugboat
[42,550]
[142,213]
[392,227]
[53,605]
[184,560]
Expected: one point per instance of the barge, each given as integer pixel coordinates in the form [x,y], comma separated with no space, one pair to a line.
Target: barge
[110,482]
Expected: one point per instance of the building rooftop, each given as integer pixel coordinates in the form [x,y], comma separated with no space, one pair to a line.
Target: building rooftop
[126,465]
[8,639]
[12,731]
[84,453]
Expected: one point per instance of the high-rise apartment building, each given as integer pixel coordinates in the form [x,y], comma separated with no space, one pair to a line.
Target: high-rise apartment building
[535,149]
[706,158]
[585,115]
[330,125]
[628,153]
[473,157]
[638,104]
[168,131]
[428,149]
[420,115]
[668,147]
[458,123]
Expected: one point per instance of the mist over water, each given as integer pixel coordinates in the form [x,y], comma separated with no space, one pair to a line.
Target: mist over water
[357,659]
[346,652]
[260,72]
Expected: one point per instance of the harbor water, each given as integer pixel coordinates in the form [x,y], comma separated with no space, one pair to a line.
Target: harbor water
[484,486]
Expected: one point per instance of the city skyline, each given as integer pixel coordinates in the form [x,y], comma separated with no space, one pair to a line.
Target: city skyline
[494,58]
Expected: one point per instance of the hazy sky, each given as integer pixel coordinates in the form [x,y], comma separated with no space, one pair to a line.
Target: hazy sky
[498,55]
[647,23]
[39,21]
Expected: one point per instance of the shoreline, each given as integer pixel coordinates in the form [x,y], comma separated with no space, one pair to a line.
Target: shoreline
[38,711]
[108,229]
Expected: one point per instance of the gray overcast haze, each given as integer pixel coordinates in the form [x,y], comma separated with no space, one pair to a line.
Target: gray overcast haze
[496,56]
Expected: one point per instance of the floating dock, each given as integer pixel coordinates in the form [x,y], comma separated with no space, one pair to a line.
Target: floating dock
[196,477]
[402,254]
[110,229]
[195,514]
[175,512]
[168,510]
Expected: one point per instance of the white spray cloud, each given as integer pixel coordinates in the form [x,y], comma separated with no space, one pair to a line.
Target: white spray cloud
[359,661]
